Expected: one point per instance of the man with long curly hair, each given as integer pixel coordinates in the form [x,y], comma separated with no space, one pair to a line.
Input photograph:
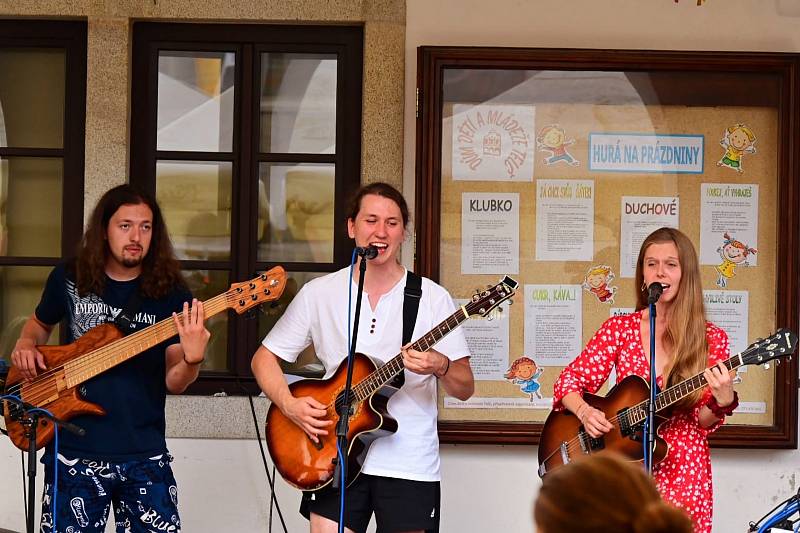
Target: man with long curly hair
[125,266]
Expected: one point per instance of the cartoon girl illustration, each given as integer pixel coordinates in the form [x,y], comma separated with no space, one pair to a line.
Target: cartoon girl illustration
[597,282]
[738,140]
[733,253]
[553,139]
[525,373]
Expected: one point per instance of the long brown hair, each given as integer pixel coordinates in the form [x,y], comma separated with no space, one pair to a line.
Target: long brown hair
[601,493]
[161,271]
[685,332]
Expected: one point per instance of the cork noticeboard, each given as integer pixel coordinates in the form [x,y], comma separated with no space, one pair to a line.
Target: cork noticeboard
[533,163]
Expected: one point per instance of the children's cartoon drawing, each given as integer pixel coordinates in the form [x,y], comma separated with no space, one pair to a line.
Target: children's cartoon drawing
[734,253]
[525,373]
[598,282]
[737,141]
[553,139]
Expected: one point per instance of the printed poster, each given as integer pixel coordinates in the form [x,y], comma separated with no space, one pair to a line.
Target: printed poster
[732,209]
[493,142]
[553,323]
[564,220]
[645,152]
[488,344]
[730,310]
[489,233]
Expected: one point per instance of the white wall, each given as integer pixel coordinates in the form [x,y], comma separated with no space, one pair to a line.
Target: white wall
[498,497]
[490,488]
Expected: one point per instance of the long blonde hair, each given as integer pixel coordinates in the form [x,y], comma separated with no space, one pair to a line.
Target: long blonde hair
[685,332]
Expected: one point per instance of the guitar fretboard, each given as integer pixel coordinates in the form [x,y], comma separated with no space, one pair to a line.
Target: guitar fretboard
[383,375]
[91,364]
[670,396]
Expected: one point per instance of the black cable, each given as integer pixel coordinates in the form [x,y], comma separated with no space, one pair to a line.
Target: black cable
[24,491]
[270,478]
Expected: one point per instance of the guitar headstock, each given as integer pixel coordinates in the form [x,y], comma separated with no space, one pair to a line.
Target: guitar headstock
[483,303]
[782,343]
[264,288]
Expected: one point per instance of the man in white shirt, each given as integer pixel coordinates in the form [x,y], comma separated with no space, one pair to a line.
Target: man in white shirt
[399,480]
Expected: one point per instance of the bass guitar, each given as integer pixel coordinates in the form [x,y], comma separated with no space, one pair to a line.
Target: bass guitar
[625,406]
[308,465]
[104,347]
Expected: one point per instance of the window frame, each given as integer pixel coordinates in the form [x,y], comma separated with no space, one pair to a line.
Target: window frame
[71,36]
[248,42]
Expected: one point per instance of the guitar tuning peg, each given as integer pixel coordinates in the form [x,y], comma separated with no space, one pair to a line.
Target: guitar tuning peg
[510,301]
[766,366]
[777,362]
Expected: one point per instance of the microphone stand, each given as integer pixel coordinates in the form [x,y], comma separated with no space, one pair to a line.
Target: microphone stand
[651,409]
[29,418]
[340,470]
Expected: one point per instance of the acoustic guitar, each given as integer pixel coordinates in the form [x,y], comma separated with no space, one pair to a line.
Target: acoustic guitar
[308,465]
[625,406]
[104,347]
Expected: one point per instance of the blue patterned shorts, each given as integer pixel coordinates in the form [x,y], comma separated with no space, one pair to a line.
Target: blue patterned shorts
[143,493]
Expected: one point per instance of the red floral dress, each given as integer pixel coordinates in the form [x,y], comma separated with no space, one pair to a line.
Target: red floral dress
[684,476]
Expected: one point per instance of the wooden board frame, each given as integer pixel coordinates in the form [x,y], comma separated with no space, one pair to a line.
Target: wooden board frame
[680,72]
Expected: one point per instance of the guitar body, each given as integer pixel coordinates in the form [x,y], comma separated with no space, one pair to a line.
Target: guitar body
[49,391]
[310,466]
[564,439]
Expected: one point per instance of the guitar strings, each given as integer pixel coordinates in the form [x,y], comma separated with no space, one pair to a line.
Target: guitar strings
[362,388]
[574,443]
[40,388]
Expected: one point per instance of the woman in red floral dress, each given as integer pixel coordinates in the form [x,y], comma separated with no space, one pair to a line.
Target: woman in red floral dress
[686,344]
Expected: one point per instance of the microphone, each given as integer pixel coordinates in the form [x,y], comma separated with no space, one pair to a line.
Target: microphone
[654,292]
[367,252]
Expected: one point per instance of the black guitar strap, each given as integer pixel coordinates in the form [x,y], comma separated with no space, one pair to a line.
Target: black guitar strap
[124,320]
[411,298]
[413,294]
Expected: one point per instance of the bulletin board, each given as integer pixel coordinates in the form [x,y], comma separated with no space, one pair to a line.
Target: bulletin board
[551,166]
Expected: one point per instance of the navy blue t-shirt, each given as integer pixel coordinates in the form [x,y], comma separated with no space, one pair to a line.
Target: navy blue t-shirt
[132,393]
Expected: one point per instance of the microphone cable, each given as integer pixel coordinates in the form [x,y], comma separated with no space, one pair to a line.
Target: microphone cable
[273,503]
[350,350]
[53,506]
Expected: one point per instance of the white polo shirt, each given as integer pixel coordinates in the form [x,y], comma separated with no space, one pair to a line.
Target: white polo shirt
[318,315]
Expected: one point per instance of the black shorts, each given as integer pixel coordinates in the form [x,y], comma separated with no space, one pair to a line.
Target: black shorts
[398,504]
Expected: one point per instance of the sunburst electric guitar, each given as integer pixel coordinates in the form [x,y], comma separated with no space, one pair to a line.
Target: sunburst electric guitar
[625,406]
[104,347]
[308,465]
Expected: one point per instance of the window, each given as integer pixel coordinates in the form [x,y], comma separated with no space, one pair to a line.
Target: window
[249,137]
[42,130]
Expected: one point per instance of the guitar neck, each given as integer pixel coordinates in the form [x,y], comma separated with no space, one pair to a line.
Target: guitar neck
[383,375]
[683,389]
[91,364]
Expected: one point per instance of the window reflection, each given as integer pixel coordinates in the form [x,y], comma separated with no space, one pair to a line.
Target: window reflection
[298,224]
[195,199]
[298,103]
[195,101]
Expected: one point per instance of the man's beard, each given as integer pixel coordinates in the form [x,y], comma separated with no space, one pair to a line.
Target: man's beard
[130,262]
